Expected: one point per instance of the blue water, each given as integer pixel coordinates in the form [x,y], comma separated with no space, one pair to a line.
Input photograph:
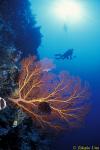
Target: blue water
[84,37]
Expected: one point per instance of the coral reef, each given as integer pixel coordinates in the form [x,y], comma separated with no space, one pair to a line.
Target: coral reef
[40,98]
[19,37]
[51,100]
[8,75]
[18,27]
[26,137]
[15,125]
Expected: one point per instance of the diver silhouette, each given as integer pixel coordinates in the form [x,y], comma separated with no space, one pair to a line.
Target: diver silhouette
[67,55]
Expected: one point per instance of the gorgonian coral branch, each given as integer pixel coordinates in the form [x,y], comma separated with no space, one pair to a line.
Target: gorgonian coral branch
[50,99]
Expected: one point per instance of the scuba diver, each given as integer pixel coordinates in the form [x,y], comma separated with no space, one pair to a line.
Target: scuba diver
[67,55]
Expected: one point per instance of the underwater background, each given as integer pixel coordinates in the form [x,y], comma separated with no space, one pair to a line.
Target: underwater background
[84,37]
[32,27]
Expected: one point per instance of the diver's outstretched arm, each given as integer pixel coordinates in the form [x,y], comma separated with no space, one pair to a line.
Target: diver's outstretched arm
[59,56]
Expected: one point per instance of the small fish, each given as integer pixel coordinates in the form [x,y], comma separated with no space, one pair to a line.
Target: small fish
[15,123]
[3,103]
[47,70]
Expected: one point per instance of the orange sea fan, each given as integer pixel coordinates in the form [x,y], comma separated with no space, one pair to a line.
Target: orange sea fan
[51,100]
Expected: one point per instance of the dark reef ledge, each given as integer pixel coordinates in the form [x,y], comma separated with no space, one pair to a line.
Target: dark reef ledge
[18,27]
[18,32]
